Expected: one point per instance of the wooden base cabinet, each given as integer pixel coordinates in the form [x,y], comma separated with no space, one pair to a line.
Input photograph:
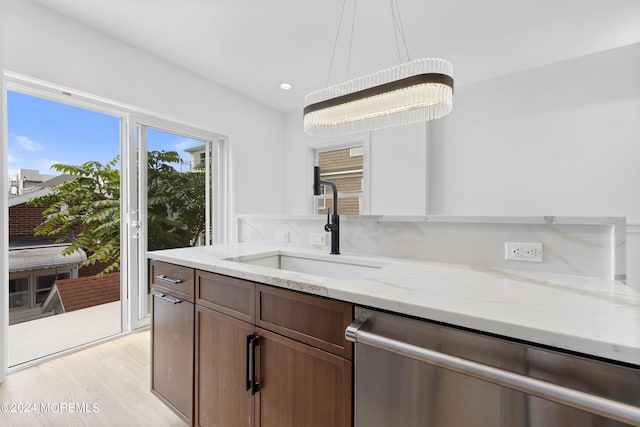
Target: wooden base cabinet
[172,337]
[221,370]
[301,385]
[268,359]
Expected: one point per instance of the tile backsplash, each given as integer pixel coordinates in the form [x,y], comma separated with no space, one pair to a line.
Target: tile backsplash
[586,246]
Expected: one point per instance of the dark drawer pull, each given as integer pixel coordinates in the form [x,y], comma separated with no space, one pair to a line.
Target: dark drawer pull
[253,341]
[248,361]
[166,298]
[164,278]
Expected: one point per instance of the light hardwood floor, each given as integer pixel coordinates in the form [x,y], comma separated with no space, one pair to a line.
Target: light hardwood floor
[105,385]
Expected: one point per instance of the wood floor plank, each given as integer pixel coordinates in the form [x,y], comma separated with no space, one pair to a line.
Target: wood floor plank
[105,385]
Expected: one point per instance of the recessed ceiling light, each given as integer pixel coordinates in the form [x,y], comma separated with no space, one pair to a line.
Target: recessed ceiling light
[285,86]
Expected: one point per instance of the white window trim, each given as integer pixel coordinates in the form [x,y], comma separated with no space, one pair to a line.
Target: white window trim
[4,240]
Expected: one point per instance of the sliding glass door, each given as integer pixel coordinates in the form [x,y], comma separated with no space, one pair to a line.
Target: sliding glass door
[176,170]
[124,183]
[64,202]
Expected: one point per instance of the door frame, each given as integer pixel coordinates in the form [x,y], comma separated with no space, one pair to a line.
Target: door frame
[136,208]
[128,114]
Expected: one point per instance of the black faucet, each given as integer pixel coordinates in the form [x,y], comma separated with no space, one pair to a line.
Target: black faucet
[333,220]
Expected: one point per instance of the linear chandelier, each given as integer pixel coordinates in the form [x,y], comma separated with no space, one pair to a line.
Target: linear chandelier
[415,91]
[411,92]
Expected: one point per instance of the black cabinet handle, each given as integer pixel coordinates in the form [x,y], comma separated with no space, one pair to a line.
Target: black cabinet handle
[248,361]
[255,385]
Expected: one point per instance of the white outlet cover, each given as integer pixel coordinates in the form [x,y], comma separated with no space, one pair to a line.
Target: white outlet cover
[282,236]
[318,238]
[523,251]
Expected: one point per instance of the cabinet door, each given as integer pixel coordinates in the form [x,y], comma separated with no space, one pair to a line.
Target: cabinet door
[172,354]
[222,399]
[301,385]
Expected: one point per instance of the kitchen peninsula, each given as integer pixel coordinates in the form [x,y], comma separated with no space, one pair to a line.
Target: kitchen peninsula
[292,306]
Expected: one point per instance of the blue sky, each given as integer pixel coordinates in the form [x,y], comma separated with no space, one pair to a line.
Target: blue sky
[42,133]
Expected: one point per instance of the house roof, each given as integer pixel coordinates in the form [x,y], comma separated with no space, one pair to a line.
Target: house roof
[42,257]
[89,291]
[38,190]
[195,149]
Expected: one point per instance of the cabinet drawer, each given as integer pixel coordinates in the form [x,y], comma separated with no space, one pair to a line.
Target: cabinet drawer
[172,355]
[228,295]
[173,279]
[310,319]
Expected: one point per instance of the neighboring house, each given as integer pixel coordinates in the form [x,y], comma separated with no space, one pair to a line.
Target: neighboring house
[27,180]
[198,156]
[36,262]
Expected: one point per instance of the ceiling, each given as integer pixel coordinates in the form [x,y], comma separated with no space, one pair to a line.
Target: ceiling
[252,46]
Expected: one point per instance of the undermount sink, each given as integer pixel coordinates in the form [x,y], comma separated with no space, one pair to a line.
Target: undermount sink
[345,269]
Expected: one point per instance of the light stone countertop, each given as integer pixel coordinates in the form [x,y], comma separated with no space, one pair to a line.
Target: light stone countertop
[586,315]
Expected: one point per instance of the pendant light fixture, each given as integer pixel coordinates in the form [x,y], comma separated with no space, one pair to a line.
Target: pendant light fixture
[415,91]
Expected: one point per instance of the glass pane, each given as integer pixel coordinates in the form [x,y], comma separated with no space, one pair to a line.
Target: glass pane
[45,282]
[41,296]
[347,205]
[74,153]
[19,300]
[18,285]
[176,195]
[343,167]
[175,191]
[19,292]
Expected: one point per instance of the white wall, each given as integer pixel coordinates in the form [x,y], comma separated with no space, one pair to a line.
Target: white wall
[563,139]
[42,44]
[39,43]
[399,176]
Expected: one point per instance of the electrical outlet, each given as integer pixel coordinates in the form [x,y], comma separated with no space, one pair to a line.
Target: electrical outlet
[516,251]
[318,239]
[282,236]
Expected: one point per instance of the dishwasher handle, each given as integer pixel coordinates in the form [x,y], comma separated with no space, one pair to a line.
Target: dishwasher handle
[608,408]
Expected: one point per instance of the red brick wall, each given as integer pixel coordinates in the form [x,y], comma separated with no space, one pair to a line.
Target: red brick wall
[23,219]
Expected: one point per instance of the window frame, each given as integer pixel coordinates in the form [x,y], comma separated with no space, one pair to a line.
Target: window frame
[18,276]
[32,283]
[364,195]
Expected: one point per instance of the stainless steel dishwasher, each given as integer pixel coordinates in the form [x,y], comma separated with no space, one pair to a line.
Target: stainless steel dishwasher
[411,373]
